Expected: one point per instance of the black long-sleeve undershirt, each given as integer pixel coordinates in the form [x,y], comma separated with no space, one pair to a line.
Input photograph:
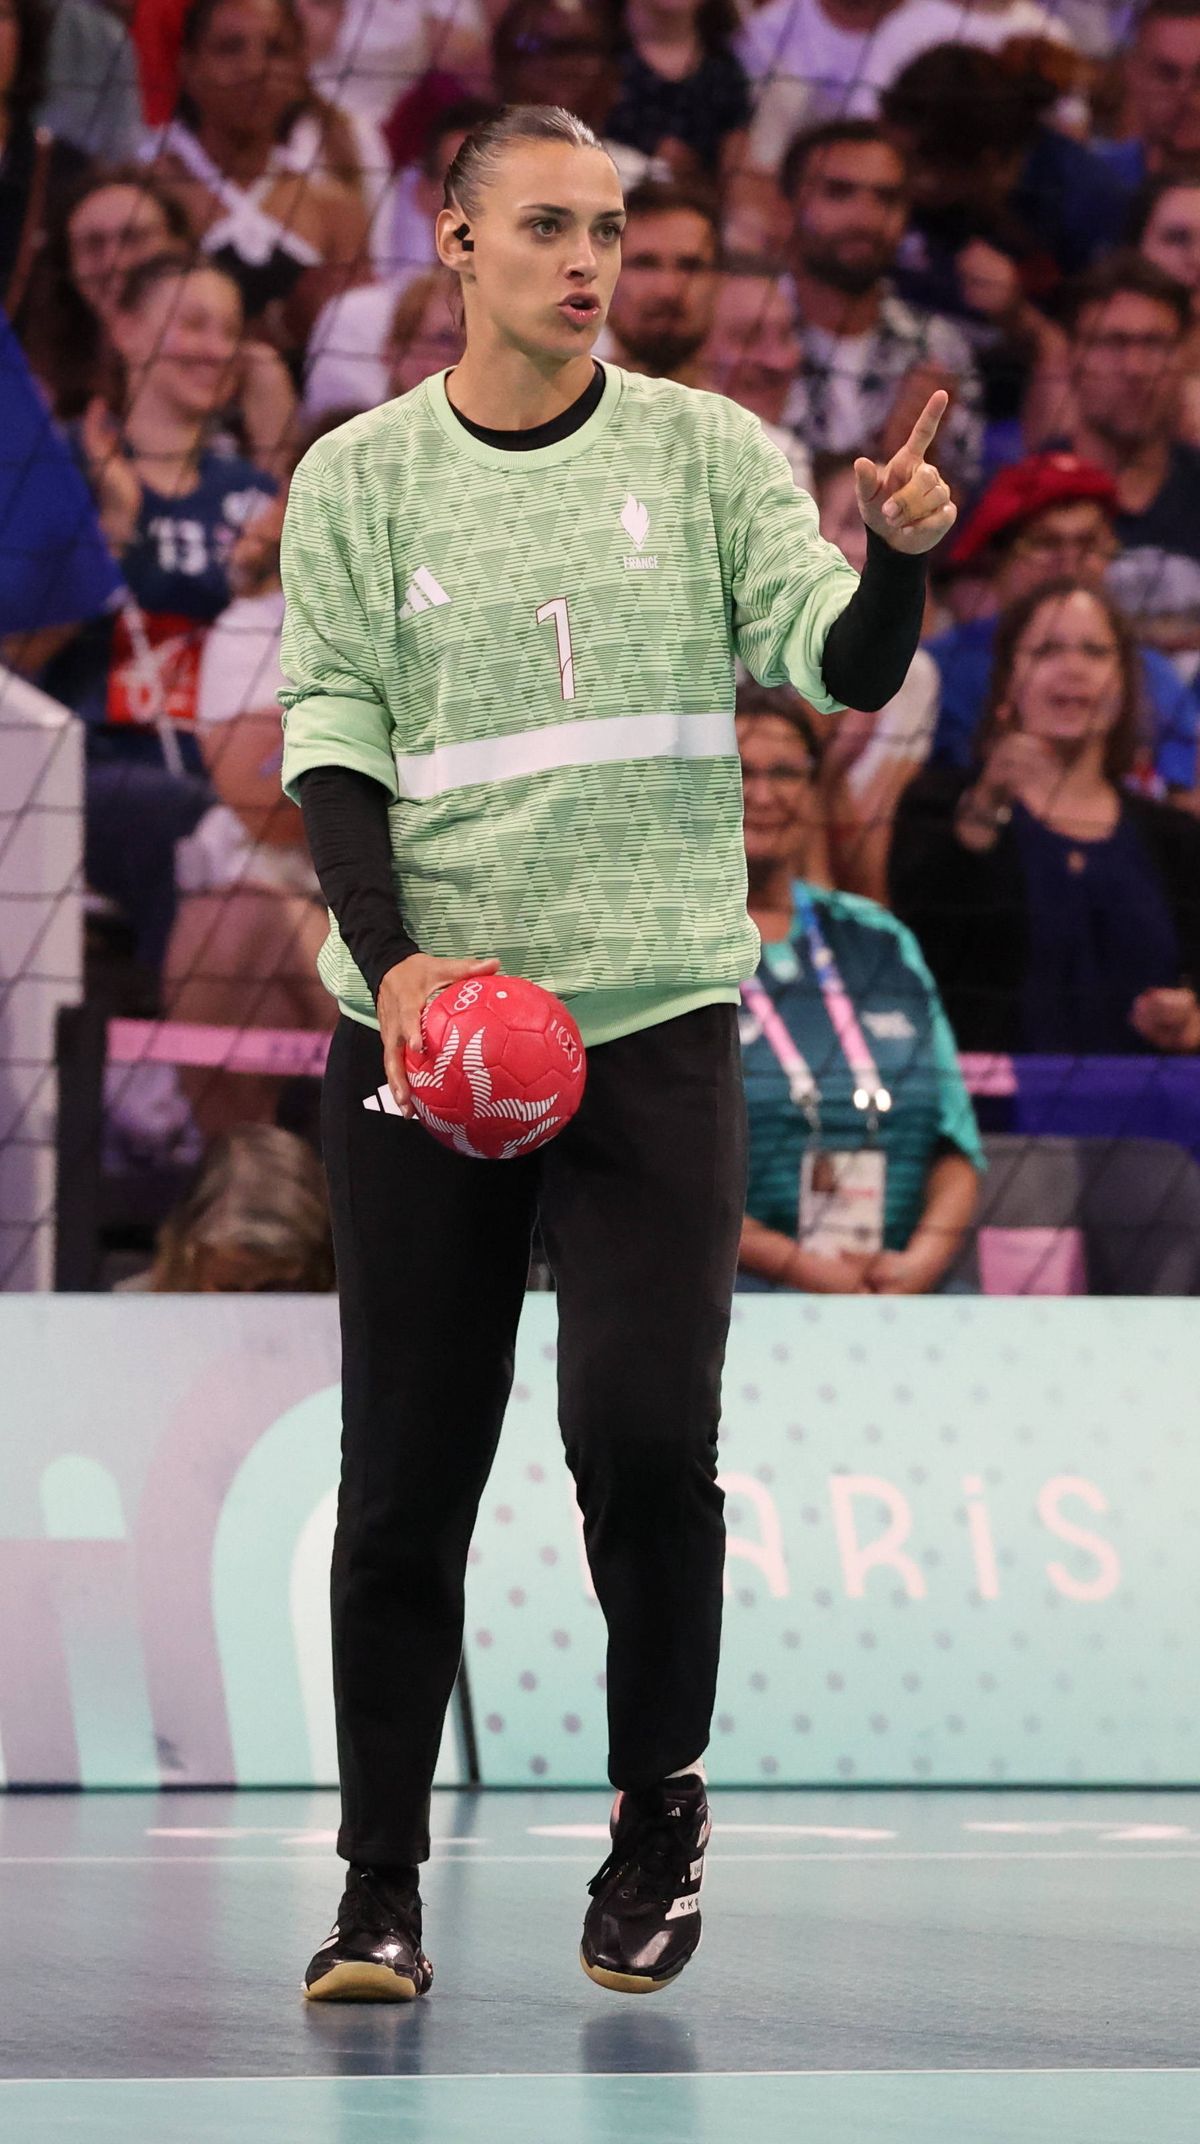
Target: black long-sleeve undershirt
[346,821]
[870,645]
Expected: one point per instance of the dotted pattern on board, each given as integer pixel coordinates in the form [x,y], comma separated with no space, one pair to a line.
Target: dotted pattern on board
[1031,1463]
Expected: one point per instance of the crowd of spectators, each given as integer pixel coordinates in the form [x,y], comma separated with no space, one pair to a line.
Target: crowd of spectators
[216,243]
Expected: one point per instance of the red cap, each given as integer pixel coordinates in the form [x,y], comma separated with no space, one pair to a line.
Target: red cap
[1026,489]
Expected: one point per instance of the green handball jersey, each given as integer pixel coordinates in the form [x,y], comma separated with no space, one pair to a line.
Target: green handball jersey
[534,654]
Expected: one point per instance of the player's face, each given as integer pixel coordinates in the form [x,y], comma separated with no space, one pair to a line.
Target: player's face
[547,248]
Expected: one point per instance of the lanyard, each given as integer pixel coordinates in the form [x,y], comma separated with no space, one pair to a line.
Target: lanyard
[870,1094]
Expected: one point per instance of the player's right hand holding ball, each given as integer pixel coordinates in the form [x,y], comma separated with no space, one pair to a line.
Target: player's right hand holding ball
[403,994]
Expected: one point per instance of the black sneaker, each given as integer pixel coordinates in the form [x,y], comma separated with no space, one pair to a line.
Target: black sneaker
[374,1952]
[644,1920]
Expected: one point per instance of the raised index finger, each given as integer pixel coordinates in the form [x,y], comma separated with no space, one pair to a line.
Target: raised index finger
[924,430]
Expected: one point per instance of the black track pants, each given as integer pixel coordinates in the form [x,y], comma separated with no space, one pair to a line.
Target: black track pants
[640,1204]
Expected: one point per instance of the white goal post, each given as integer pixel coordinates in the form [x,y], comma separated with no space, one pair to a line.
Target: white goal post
[41,960]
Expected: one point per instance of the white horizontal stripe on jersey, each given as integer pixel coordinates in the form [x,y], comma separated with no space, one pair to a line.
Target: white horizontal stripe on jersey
[565,744]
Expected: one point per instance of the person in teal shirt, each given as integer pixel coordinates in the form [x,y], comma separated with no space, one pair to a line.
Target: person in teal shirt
[869,1066]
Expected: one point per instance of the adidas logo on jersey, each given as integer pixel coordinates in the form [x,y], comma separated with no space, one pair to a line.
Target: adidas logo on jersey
[423,593]
[635,520]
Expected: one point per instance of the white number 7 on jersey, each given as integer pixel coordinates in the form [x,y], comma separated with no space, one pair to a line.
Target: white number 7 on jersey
[557,609]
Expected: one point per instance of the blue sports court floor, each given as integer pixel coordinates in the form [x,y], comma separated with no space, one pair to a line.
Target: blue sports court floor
[885,1968]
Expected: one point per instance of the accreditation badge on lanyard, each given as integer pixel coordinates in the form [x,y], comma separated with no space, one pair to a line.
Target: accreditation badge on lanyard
[842,1191]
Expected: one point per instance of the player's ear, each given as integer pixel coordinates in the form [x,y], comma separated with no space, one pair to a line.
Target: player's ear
[453,238]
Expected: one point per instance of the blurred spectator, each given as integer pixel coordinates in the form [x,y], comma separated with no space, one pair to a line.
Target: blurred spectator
[753,350]
[384,47]
[251,919]
[1129,327]
[36,168]
[782,706]
[289,241]
[111,221]
[804,58]
[345,366]
[1058,912]
[327,139]
[347,362]
[683,92]
[662,309]
[557,52]
[1050,515]
[870,361]
[916,26]
[1002,207]
[411,208]
[92,95]
[986,165]
[256,1222]
[170,506]
[1161,119]
[425,334]
[868,759]
[566,52]
[1100,28]
[1166,230]
[908,1161]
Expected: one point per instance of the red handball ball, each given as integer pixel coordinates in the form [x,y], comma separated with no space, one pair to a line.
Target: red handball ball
[502,1069]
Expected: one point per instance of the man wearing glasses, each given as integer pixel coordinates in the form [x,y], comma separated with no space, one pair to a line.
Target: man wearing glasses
[1129,326]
